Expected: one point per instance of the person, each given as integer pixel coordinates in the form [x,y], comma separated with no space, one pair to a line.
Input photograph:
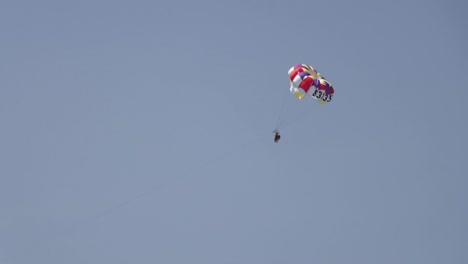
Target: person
[277,137]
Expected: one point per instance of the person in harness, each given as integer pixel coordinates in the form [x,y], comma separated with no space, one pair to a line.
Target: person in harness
[277,136]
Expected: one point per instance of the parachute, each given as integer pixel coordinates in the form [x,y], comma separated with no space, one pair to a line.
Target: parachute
[305,80]
[303,77]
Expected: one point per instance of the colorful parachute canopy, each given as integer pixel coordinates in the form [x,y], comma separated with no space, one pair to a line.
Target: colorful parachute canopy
[302,77]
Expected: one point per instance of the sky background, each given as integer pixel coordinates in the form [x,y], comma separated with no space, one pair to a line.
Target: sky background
[141,132]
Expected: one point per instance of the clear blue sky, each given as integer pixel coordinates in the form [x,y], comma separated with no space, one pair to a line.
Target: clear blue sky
[140,132]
